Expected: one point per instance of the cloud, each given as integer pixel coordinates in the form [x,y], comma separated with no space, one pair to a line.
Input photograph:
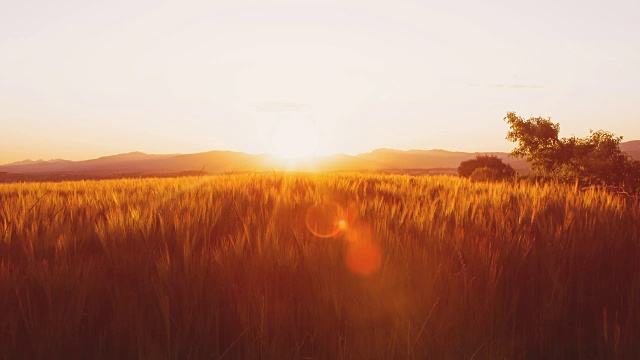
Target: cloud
[527,86]
[280,106]
[511,86]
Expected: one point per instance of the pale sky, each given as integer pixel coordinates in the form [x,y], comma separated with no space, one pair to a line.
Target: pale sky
[82,79]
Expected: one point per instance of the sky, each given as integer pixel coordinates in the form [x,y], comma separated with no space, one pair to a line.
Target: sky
[82,79]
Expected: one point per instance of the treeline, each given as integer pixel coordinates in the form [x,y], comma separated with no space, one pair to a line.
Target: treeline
[593,160]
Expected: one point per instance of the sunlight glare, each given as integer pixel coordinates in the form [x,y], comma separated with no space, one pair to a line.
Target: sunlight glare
[295,138]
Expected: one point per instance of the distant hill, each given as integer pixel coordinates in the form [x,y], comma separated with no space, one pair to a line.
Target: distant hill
[632,148]
[430,159]
[106,164]
[33,162]
[213,162]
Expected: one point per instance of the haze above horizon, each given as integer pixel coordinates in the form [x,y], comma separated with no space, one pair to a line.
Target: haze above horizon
[84,79]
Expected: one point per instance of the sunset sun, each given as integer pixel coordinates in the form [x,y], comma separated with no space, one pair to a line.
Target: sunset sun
[295,138]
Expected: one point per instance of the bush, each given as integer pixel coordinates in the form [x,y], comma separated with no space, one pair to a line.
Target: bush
[500,170]
[485,174]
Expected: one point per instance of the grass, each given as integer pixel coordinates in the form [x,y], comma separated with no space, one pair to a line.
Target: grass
[317,267]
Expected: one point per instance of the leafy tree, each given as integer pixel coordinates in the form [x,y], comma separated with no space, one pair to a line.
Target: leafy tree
[595,159]
[538,141]
[493,167]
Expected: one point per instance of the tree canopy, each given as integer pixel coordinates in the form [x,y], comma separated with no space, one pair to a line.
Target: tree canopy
[595,159]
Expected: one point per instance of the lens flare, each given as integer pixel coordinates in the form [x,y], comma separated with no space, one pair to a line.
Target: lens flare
[328,219]
[359,231]
[363,258]
[325,220]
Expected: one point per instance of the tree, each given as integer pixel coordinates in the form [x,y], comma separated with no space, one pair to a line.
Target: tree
[492,167]
[538,141]
[595,159]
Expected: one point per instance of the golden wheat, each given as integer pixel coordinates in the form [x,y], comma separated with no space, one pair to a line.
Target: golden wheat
[327,266]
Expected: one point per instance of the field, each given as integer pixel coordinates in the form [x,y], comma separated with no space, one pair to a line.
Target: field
[327,266]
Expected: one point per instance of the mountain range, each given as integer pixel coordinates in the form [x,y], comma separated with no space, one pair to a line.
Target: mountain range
[215,162]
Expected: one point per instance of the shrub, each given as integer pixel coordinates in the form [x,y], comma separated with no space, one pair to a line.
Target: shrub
[492,162]
[485,174]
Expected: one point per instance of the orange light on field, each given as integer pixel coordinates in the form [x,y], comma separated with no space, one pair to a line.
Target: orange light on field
[363,258]
[359,231]
[325,220]
[329,220]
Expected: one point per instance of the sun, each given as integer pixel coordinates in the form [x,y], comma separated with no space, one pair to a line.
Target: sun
[295,138]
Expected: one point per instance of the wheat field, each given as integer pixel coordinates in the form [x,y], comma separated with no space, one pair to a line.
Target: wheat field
[317,266]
